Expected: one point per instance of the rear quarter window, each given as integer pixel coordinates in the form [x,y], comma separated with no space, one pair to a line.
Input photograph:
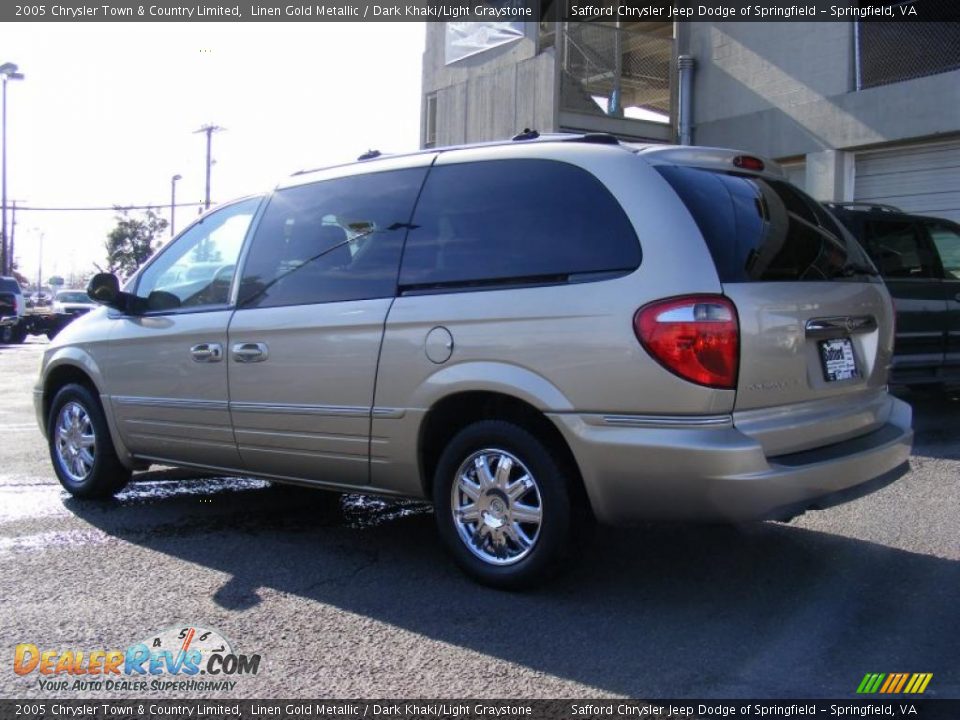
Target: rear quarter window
[765,230]
[515,221]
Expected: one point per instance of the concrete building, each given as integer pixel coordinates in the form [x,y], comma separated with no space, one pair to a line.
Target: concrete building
[855,111]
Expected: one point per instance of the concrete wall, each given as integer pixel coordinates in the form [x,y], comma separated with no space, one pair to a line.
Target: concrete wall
[788,90]
[492,95]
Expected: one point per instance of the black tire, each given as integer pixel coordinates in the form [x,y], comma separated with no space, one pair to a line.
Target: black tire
[98,473]
[19,334]
[551,545]
[6,335]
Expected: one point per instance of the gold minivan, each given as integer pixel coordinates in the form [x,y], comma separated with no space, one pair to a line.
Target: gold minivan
[533,334]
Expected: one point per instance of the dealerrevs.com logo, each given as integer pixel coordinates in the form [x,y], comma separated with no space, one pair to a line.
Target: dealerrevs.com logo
[177,659]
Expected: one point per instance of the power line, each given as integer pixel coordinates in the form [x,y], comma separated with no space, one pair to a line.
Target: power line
[112,208]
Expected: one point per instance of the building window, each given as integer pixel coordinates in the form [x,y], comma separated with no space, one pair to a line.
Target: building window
[430,122]
[892,51]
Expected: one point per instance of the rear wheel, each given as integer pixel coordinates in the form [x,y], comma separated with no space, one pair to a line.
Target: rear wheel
[80,446]
[503,505]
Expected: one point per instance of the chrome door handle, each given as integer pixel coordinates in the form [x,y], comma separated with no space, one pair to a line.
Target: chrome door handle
[250,352]
[207,352]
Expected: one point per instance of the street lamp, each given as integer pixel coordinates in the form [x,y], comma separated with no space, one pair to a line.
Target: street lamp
[173,199]
[8,71]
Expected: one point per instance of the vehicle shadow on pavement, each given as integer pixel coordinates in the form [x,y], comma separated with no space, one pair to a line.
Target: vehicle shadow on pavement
[654,611]
[935,415]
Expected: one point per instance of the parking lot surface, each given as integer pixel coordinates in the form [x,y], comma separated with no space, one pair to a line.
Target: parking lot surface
[353,597]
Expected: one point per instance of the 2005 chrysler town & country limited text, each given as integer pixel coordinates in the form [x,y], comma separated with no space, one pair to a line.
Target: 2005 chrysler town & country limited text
[532,333]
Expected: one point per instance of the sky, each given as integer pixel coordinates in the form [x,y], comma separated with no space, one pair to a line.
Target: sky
[106,116]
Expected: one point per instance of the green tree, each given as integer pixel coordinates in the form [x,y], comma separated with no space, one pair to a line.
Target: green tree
[132,241]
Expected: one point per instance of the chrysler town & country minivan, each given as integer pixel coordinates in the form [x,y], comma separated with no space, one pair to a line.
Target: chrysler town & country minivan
[533,334]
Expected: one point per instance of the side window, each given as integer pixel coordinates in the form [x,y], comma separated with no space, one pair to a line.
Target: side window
[897,249]
[198,269]
[331,240]
[947,241]
[515,221]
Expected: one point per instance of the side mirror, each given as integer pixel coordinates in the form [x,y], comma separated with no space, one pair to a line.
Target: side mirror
[104,288]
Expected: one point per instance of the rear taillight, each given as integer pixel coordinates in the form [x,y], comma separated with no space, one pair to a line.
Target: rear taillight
[696,337]
[748,162]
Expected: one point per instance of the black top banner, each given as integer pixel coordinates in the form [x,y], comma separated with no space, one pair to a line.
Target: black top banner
[483,11]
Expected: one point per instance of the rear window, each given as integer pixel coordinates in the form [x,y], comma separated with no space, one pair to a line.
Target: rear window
[765,230]
[521,221]
[9,285]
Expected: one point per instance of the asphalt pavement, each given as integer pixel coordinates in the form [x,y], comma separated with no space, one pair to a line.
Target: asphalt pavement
[353,597]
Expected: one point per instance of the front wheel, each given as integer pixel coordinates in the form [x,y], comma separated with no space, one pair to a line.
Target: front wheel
[80,446]
[503,505]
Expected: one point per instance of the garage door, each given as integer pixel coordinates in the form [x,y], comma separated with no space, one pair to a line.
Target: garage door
[923,179]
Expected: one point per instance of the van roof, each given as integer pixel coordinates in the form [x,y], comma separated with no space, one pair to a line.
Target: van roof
[720,158]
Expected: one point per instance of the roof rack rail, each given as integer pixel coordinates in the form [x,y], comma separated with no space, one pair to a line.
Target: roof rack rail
[527,134]
[370,155]
[868,205]
[597,138]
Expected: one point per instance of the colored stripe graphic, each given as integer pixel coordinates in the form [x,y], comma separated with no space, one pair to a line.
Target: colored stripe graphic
[893,683]
[870,683]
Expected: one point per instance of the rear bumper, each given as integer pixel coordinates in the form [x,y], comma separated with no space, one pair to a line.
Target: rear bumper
[714,472]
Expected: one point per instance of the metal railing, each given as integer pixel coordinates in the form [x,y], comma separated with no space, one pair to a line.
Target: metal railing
[614,71]
[891,51]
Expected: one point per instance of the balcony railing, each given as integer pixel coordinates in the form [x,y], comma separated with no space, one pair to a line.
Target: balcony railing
[621,72]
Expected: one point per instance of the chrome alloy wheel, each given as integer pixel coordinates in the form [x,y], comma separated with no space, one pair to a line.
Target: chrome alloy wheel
[496,507]
[75,441]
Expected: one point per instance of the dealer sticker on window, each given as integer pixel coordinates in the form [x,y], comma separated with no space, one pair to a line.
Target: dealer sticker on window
[839,362]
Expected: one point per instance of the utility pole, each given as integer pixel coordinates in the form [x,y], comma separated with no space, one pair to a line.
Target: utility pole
[13,229]
[40,265]
[173,199]
[209,129]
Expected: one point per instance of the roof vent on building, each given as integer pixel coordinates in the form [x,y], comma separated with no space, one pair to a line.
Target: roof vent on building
[527,134]
[370,155]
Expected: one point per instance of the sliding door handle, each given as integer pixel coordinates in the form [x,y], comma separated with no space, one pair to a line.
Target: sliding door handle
[250,352]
